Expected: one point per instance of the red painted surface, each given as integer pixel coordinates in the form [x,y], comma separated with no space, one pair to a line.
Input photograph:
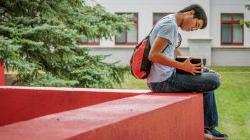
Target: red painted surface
[23,103]
[1,73]
[147,117]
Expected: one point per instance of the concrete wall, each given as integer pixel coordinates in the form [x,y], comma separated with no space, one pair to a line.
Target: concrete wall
[229,56]
[226,56]
[121,55]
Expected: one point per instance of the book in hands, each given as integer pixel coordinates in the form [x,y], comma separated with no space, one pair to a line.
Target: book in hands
[193,60]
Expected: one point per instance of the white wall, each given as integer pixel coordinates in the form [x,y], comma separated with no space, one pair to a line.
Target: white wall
[229,56]
[226,56]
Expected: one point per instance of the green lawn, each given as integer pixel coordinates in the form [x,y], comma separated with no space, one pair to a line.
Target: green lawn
[233,100]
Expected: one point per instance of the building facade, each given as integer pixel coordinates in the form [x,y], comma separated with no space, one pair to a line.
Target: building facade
[223,42]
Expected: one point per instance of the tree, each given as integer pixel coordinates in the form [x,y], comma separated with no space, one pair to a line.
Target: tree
[39,39]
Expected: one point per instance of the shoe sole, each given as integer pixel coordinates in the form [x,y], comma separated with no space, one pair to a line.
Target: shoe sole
[208,137]
[211,137]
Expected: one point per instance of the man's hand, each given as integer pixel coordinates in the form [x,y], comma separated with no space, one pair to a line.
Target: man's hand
[206,69]
[191,68]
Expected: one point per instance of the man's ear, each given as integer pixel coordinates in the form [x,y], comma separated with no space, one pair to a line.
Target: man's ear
[191,12]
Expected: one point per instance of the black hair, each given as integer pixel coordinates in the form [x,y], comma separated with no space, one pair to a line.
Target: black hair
[199,13]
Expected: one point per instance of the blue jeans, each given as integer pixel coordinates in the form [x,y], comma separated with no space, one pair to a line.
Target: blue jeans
[206,83]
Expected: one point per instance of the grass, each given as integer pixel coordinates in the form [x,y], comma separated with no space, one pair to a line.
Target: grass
[233,100]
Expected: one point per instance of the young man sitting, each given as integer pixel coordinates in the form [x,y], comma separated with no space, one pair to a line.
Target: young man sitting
[163,76]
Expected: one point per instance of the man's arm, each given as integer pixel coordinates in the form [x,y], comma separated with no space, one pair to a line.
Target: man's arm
[156,56]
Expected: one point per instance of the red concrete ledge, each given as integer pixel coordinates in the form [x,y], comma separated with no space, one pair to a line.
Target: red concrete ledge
[128,117]
[23,103]
[7,89]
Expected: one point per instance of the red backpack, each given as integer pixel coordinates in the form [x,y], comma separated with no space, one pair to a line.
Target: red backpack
[139,62]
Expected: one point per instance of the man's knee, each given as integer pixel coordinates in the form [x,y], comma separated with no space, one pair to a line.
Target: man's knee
[214,81]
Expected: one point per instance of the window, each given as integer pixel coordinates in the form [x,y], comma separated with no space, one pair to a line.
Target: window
[86,41]
[158,16]
[129,37]
[232,33]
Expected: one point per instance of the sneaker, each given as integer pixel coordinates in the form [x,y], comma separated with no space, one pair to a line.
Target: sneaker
[213,134]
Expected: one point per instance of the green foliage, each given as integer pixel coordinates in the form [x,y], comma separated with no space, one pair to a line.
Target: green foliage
[247,23]
[248,6]
[39,39]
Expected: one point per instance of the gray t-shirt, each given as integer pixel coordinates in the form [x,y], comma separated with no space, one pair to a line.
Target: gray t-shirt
[165,28]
